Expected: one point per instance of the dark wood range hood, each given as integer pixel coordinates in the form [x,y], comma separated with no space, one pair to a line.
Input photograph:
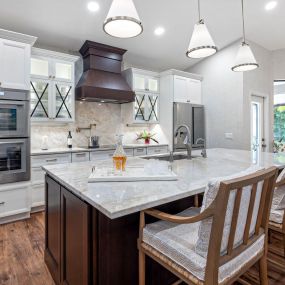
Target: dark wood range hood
[101,80]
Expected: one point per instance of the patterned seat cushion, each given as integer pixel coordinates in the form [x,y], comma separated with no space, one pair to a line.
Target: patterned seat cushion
[210,195]
[177,242]
[278,202]
[276,216]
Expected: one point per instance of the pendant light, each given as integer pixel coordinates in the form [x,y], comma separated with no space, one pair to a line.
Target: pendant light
[123,20]
[201,43]
[245,59]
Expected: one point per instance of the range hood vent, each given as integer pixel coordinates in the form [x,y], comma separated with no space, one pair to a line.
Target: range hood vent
[101,80]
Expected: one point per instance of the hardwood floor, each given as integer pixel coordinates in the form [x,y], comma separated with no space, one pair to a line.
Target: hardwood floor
[22,253]
[22,256]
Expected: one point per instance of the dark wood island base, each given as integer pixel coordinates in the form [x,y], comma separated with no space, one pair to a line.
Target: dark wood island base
[83,246]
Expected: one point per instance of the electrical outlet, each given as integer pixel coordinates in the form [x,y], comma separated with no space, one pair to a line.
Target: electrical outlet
[229,136]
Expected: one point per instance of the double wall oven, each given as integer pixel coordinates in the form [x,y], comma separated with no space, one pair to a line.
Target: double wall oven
[14,136]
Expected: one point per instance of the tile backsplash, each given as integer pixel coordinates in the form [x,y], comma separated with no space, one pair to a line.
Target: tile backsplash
[107,118]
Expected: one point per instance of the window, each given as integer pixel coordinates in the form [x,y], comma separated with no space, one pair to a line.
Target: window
[279,115]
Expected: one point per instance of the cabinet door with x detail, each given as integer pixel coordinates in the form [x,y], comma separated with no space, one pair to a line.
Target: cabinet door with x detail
[64,101]
[40,91]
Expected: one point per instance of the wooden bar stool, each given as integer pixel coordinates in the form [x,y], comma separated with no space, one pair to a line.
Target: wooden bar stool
[277,217]
[219,243]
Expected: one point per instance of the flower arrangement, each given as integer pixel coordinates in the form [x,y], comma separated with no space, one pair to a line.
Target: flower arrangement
[146,136]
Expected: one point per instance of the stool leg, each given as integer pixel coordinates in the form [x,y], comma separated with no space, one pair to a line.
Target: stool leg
[141,268]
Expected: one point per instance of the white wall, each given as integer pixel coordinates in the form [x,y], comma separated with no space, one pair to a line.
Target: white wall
[278,62]
[227,96]
[222,92]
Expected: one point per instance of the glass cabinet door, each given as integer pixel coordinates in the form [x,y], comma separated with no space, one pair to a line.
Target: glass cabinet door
[39,98]
[63,71]
[139,107]
[139,82]
[152,108]
[64,101]
[40,67]
[153,85]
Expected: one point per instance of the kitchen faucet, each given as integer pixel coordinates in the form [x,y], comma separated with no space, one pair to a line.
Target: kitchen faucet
[187,141]
[204,152]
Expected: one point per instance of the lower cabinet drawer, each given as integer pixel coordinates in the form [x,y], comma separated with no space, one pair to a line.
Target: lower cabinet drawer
[101,155]
[80,156]
[140,151]
[38,195]
[40,160]
[157,150]
[14,201]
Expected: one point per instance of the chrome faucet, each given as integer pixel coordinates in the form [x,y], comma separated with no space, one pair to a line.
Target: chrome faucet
[204,152]
[187,141]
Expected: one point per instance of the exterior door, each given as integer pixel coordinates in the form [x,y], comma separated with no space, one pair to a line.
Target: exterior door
[257,124]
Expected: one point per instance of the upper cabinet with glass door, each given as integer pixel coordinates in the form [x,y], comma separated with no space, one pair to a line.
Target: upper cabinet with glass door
[145,109]
[52,86]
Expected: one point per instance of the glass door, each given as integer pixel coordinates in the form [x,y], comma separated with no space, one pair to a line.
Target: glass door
[40,98]
[151,111]
[257,124]
[64,103]
[139,107]
[279,116]
[13,160]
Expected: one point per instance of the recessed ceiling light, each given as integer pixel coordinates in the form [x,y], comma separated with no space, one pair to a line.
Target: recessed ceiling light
[159,31]
[93,6]
[270,5]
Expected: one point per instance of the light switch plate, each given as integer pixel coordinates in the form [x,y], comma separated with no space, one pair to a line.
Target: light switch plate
[229,136]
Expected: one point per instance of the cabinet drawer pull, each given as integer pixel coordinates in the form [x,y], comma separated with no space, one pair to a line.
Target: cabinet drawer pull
[51,160]
[2,203]
[140,149]
[157,150]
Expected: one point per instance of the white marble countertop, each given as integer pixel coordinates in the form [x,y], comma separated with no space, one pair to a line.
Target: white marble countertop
[117,199]
[82,149]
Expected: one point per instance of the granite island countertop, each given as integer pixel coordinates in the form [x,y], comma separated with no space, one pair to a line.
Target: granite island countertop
[117,199]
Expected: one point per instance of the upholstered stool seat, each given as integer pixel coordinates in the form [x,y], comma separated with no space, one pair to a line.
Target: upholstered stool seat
[177,244]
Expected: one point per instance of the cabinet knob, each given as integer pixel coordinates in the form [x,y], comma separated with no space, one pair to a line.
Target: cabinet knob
[2,203]
[188,101]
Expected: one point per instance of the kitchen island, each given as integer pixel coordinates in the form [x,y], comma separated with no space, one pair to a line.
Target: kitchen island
[91,229]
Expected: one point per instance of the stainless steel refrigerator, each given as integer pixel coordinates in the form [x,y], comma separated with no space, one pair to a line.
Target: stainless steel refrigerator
[193,116]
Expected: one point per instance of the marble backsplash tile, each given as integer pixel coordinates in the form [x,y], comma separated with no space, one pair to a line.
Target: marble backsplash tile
[107,118]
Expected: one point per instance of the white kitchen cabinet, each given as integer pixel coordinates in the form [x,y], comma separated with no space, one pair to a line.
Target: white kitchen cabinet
[14,201]
[145,109]
[187,90]
[52,86]
[15,54]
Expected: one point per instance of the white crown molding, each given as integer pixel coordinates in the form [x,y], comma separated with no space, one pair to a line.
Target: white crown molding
[182,73]
[18,37]
[142,72]
[54,54]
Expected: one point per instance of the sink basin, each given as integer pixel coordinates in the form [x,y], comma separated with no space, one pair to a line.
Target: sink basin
[168,157]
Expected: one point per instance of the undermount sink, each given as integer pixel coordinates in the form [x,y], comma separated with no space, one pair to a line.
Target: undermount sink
[168,157]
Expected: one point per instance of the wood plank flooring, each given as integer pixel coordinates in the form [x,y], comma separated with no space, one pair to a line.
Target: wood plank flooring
[22,256]
[22,253]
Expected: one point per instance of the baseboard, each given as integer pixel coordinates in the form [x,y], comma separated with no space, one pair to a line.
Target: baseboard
[14,218]
[36,209]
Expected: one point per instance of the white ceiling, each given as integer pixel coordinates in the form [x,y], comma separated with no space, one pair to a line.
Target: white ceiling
[66,24]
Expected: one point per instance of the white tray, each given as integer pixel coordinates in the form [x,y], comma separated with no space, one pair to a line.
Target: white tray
[131,174]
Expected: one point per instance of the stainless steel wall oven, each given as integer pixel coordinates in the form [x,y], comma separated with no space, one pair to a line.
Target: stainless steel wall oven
[14,136]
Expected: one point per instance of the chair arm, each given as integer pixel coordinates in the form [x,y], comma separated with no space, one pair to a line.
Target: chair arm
[280,183]
[178,219]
